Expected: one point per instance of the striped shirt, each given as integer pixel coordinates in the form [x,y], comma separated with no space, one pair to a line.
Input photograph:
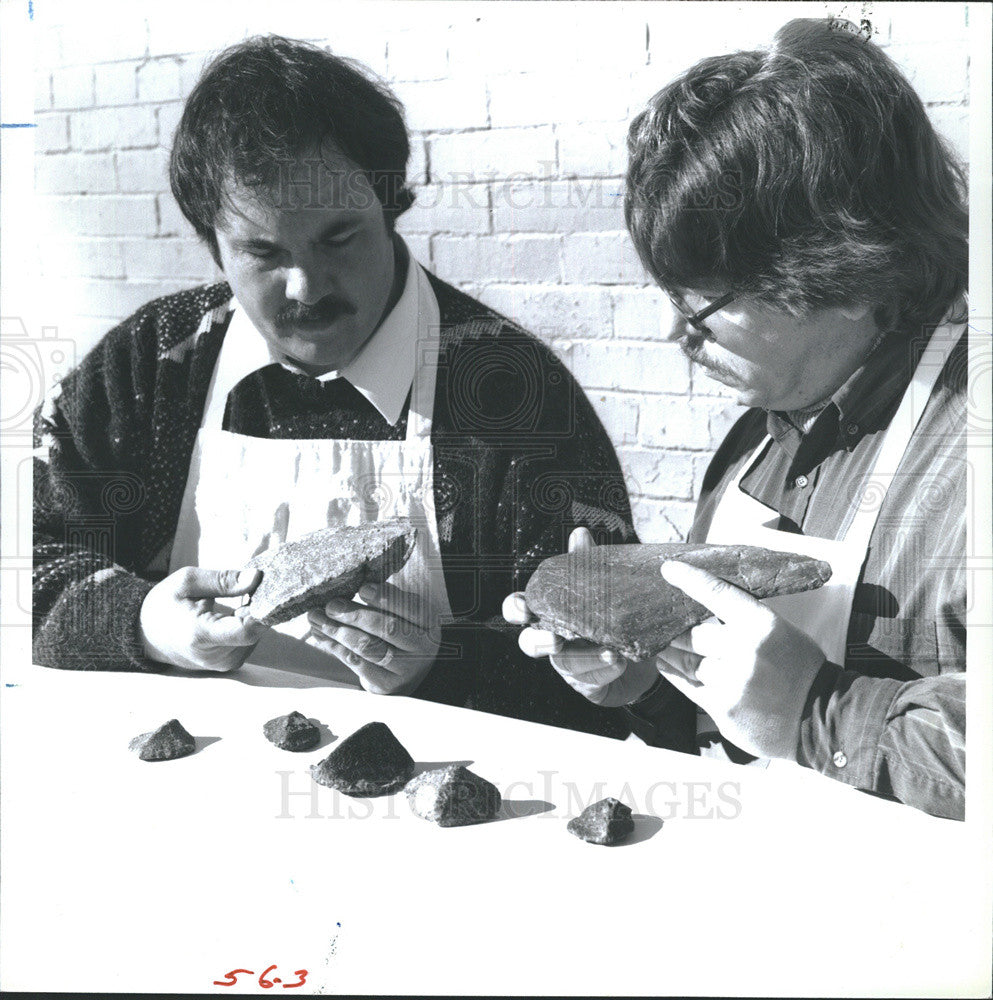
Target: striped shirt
[891,719]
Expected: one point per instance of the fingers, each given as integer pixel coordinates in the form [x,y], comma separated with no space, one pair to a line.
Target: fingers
[589,668]
[194,583]
[536,643]
[404,604]
[680,663]
[728,602]
[515,609]
[376,678]
[707,639]
[580,539]
[221,629]
[360,623]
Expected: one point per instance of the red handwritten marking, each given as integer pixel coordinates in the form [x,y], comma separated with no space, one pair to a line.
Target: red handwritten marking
[265,983]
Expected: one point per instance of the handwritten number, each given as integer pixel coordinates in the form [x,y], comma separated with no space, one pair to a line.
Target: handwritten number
[233,976]
[263,982]
[302,973]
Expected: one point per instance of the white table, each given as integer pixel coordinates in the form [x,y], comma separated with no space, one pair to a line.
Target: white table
[121,875]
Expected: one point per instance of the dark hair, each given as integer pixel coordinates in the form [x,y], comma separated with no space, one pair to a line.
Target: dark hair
[269,100]
[807,176]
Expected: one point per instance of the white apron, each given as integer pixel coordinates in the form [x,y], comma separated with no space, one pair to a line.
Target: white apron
[246,494]
[823,614]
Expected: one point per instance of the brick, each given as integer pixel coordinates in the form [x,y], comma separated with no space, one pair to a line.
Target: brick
[630,367]
[113,128]
[721,420]
[675,422]
[601,259]
[938,71]
[618,414]
[598,149]
[557,206]
[657,473]
[493,153]
[544,98]
[143,170]
[52,133]
[420,248]
[159,80]
[489,259]
[553,313]
[100,215]
[448,208]
[168,258]
[417,55]
[662,520]
[119,299]
[42,90]
[701,463]
[79,173]
[89,258]
[114,31]
[116,83]
[172,222]
[641,314]
[72,87]
[190,69]
[444,105]
[167,116]
[952,124]
[417,163]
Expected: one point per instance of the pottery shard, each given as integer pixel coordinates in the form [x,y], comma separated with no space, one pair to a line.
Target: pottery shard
[614,595]
[333,562]
[453,796]
[166,743]
[605,822]
[292,732]
[371,761]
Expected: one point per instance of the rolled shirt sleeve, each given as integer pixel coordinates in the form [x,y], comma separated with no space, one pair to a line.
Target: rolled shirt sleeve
[889,737]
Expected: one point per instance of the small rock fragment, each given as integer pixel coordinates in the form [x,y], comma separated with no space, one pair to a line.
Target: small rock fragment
[453,796]
[292,732]
[166,743]
[605,822]
[371,761]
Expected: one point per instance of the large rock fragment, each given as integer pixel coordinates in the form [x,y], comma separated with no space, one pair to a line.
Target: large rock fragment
[333,562]
[606,822]
[453,796]
[614,595]
[292,732]
[371,761]
[167,742]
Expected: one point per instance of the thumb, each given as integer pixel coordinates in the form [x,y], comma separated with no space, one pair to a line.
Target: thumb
[580,539]
[197,584]
[231,630]
[728,602]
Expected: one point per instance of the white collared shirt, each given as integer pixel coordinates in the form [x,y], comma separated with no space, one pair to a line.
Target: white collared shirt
[382,371]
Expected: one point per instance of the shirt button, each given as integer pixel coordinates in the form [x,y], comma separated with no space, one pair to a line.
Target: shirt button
[852,430]
[800,482]
[840,760]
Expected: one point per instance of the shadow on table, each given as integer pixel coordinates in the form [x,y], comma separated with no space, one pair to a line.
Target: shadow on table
[202,742]
[327,737]
[434,765]
[521,808]
[645,827]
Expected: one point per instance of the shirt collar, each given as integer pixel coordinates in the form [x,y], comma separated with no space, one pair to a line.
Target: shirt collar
[382,372]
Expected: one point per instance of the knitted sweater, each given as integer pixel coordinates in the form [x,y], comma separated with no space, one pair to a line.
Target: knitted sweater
[520,460]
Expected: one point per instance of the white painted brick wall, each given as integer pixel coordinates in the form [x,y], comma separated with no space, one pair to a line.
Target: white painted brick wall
[518,116]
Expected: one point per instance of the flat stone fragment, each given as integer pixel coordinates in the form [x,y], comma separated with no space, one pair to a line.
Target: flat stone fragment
[166,743]
[305,574]
[453,796]
[371,761]
[605,822]
[292,732]
[615,596]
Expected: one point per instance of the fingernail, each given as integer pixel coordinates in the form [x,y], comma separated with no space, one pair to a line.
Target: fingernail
[336,605]
[608,656]
[368,592]
[520,604]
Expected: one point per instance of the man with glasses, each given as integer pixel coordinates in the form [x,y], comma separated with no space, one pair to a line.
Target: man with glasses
[830,298]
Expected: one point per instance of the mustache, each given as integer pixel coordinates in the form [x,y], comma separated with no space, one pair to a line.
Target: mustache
[323,311]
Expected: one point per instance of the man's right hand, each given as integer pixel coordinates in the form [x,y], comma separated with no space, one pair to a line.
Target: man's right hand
[181,625]
[601,675]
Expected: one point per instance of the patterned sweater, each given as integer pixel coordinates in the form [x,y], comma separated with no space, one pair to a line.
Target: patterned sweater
[521,459]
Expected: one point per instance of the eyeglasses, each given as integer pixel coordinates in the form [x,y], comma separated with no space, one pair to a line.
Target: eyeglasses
[696,319]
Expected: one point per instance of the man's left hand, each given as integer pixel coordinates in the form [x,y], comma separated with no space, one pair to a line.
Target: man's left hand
[751,674]
[379,640]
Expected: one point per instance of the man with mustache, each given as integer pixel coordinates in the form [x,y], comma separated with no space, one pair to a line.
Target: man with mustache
[828,295]
[330,380]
